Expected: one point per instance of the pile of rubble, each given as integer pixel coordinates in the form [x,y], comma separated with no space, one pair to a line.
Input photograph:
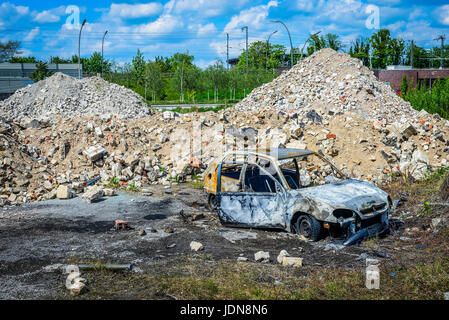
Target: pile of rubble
[371,133]
[64,96]
[329,81]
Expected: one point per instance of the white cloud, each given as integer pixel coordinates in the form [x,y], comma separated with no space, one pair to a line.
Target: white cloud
[130,11]
[206,29]
[396,26]
[10,13]
[443,14]
[46,16]
[163,25]
[32,34]
[254,17]
[416,13]
[208,8]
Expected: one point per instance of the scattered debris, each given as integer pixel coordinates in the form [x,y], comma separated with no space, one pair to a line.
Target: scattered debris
[262,256]
[292,261]
[169,230]
[196,246]
[93,194]
[122,225]
[372,274]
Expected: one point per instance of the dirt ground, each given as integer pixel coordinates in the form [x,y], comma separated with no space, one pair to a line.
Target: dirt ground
[35,238]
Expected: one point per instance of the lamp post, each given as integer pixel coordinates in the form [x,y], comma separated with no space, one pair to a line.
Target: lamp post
[79,50]
[291,45]
[243,28]
[102,46]
[268,48]
[311,35]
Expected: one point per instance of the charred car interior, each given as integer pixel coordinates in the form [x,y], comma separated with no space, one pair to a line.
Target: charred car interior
[296,190]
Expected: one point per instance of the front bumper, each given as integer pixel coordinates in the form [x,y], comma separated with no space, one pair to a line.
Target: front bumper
[371,230]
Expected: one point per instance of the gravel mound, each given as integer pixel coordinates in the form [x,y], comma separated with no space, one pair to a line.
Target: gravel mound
[64,96]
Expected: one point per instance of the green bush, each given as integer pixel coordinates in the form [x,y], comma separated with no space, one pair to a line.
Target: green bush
[434,100]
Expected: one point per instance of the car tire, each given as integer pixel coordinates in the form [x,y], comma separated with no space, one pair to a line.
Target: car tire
[309,227]
[212,202]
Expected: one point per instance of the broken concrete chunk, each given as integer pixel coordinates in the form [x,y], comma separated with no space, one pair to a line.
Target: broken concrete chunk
[196,246]
[262,256]
[93,194]
[109,192]
[292,262]
[78,287]
[408,130]
[95,153]
[64,192]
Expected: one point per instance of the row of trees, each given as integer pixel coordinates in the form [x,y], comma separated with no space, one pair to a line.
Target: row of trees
[178,78]
[386,50]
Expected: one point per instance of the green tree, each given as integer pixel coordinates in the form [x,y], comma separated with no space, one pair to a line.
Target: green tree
[360,50]
[153,79]
[396,48]
[331,41]
[59,60]
[404,85]
[22,60]
[186,74]
[139,64]
[316,43]
[41,72]
[9,50]
[261,56]
[380,43]
[217,77]
[94,64]
[163,64]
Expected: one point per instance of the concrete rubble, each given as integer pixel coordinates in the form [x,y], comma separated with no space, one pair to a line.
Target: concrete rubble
[64,134]
[196,246]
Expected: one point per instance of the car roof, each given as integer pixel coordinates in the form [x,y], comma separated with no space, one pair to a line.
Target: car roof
[284,153]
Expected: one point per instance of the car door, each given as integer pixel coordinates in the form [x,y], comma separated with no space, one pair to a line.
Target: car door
[260,203]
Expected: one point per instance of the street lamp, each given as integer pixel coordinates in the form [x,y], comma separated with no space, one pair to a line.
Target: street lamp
[243,28]
[268,48]
[102,45]
[310,36]
[291,45]
[79,50]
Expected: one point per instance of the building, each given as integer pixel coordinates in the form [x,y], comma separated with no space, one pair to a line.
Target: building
[394,76]
[14,76]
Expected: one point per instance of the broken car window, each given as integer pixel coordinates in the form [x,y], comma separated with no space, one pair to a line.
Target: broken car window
[258,181]
[312,171]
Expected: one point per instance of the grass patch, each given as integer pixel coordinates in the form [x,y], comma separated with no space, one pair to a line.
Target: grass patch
[419,191]
[197,109]
[196,279]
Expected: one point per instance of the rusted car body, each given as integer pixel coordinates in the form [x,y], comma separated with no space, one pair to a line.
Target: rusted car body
[250,189]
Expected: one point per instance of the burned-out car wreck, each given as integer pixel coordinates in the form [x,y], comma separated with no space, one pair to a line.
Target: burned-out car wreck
[296,190]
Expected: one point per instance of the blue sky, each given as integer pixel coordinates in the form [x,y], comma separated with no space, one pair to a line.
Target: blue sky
[48,28]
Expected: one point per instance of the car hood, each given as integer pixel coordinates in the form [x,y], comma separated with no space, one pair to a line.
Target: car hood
[351,194]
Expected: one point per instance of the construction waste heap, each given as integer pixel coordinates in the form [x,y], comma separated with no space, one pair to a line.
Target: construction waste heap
[61,136]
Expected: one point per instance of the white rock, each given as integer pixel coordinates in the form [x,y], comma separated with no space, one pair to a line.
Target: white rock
[64,192]
[262,256]
[196,246]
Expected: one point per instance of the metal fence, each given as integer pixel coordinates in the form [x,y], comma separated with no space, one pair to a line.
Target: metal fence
[14,76]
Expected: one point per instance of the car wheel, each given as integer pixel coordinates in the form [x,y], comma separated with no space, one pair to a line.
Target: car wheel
[212,202]
[309,227]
